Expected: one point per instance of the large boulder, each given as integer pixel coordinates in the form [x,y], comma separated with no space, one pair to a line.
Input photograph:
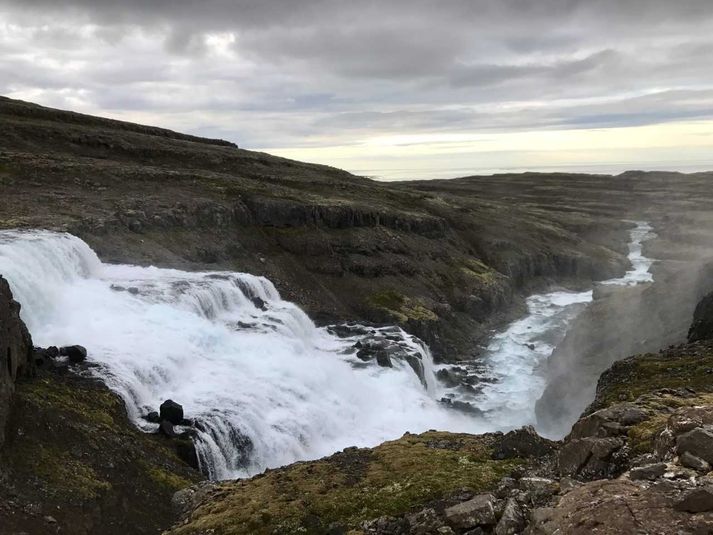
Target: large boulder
[697,442]
[478,511]
[171,411]
[75,353]
[523,442]
[702,326]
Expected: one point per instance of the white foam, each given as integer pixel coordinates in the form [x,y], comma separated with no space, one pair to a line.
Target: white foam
[268,376]
[511,377]
[268,387]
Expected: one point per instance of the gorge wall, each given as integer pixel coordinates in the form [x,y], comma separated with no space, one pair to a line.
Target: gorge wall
[15,351]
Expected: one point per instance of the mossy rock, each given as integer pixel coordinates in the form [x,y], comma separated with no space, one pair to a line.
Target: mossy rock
[352,486]
[71,449]
[689,366]
[653,381]
[401,308]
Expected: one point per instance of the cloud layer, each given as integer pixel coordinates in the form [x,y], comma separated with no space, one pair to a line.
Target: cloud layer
[287,75]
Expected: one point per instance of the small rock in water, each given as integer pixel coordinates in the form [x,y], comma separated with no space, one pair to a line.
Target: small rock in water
[259,303]
[171,411]
[153,417]
[75,353]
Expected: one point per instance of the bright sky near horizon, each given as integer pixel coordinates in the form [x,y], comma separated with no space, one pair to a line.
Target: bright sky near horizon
[393,89]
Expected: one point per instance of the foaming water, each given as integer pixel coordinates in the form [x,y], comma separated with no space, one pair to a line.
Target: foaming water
[511,377]
[266,386]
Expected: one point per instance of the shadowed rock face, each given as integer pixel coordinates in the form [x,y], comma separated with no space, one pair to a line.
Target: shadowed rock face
[702,327]
[15,351]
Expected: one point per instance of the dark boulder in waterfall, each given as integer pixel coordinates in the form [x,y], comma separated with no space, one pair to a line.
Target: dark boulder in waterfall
[171,411]
[702,326]
[75,353]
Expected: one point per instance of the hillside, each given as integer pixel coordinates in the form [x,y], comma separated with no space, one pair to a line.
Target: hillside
[444,259]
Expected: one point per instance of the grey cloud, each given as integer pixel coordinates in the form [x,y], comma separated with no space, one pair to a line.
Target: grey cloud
[302,72]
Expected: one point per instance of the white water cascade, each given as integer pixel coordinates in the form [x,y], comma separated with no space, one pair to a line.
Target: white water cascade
[510,378]
[266,386]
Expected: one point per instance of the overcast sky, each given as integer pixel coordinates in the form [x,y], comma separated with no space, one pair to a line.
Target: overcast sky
[393,89]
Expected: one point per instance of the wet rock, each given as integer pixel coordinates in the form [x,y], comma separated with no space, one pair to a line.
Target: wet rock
[478,511]
[696,501]
[153,417]
[695,463]
[462,406]
[589,457]
[523,442]
[259,303]
[648,472]
[186,450]
[165,428]
[75,353]
[512,520]
[449,377]
[383,359]
[698,442]
[171,411]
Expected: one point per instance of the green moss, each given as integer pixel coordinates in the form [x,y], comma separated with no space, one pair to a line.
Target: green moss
[352,486]
[400,307]
[65,476]
[93,405]
[164,478]
[642,435]
[629,379]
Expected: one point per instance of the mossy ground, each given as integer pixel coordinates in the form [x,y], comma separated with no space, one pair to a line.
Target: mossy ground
[352,486]
[71,451]
[401,308]
[687,366]
[650,380]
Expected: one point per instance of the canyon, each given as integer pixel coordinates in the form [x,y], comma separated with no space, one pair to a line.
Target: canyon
[296,259]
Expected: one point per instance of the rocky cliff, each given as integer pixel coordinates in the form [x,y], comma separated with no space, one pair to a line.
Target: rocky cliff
[71,461]
[638,461]
[15,351]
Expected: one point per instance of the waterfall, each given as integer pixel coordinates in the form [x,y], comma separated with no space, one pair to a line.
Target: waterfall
[265,386]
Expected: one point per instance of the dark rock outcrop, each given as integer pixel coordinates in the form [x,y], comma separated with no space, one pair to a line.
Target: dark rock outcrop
[171,411]
[16,351]
[702,326]
[75,353]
